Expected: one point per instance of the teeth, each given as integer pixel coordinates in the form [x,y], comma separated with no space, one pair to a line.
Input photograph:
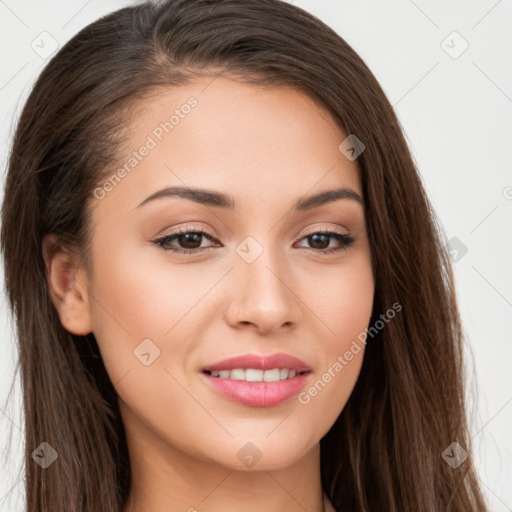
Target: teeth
[254,375]
[271,375]
[237,374]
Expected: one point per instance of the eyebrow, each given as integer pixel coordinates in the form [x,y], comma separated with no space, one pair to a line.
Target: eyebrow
[221,200]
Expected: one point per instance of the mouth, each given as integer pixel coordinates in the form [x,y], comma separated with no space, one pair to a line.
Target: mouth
[257,381]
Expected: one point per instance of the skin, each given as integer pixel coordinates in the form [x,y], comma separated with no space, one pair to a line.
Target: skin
[265,147]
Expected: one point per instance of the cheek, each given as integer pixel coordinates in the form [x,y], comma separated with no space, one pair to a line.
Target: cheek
[347,311]
[343,300]
[147,313]
[139,324]
[344,303]
[137,299]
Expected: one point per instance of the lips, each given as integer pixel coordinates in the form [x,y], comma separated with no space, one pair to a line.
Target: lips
[244,378]
[260,363]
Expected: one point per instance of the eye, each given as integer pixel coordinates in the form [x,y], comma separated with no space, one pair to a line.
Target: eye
[321,240]
[190,241]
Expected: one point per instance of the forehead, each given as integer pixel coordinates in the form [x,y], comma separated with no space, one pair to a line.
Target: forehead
[253,142]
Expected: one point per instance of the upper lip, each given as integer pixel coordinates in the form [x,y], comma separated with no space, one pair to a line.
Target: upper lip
[260,362]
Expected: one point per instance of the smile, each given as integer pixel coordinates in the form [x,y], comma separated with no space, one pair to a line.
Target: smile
[257,381]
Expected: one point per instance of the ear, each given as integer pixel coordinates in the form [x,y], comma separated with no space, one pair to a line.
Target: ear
[68,287]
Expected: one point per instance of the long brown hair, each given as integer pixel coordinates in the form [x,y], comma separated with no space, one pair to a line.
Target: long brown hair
[384,451]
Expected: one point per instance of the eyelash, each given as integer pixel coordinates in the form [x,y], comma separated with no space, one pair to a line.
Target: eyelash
[345,240]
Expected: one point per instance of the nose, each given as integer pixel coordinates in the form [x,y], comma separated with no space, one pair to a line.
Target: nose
[263,297]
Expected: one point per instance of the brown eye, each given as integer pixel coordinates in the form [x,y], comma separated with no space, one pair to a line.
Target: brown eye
[188,242]
[320,241]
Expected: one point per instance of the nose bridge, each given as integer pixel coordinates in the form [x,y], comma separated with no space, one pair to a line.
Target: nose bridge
[263,294]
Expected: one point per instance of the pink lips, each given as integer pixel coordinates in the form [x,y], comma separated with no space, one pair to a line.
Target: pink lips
[258,394]
[260,363]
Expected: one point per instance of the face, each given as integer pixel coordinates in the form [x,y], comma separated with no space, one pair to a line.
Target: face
[184,281]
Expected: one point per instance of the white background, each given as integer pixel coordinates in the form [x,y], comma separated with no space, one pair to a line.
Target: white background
[457,116]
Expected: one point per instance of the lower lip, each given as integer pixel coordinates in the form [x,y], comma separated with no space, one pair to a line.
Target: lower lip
[258,394]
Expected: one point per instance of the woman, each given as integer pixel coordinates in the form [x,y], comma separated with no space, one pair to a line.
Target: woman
[231,291]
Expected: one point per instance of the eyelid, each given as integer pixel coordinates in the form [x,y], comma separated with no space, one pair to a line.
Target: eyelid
[191,227]
[322,229]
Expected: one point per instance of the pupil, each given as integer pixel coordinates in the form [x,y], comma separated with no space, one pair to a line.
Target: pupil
[315,238]
[189,237]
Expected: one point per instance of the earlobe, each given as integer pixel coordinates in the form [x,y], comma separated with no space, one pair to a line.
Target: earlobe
[67,287]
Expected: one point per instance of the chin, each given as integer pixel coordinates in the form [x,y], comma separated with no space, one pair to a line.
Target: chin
[263,455]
